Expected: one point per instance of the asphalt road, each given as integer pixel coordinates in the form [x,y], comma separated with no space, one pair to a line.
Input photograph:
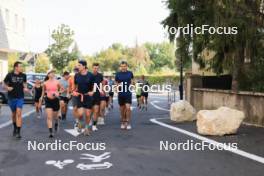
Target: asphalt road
[135,152]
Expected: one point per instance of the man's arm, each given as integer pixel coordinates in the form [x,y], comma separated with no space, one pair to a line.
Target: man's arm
[7,82]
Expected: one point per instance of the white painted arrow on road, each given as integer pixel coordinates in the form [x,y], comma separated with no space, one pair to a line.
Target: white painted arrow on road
[73,132]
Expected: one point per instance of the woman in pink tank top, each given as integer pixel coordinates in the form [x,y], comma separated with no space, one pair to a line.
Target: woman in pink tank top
[51,92]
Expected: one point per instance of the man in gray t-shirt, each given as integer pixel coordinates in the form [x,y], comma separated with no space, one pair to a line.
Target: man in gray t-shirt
[64,95]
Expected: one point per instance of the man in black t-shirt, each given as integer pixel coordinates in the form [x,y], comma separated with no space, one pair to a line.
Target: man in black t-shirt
[15,83]
[98,79]
[84,81]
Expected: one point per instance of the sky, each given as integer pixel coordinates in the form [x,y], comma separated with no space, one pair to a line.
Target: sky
[96,23]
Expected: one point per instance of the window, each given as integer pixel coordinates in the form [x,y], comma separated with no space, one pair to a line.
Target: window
[7,17]
[16,22]
[23,25]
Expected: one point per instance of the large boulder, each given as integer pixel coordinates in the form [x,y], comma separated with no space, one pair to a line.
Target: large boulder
[219,122]
[182,111]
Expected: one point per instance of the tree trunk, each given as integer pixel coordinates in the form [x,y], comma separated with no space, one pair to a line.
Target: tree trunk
[237,68]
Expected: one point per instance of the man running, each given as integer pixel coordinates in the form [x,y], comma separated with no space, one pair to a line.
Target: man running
[74,99]
[138,94]
[98,78]
[124,78]
[144,93]
[84,82]
[104,96]
[111,92]
[15,83]
[64,96]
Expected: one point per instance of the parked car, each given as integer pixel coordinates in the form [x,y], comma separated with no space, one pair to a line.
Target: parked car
[33,76]
[3,94]
[28,96]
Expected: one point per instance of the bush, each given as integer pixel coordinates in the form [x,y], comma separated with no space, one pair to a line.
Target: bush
[159,80]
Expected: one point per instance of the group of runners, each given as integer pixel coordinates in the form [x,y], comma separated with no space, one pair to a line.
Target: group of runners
[91,95]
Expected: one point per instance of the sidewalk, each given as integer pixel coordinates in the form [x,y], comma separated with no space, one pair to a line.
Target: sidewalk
[5,112]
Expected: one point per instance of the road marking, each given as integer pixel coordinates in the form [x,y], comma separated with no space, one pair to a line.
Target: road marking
[73,132]
[157,107]
[59,164]
[210,141]
[94,158]
[11,122]
[213,142]
[202,138]
[105,165]
[84,166]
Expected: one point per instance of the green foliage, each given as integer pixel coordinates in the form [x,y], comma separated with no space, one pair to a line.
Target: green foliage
[63,50]
[42,64]
[12,58]
[230,50]
[161,55]
[160,80]
[144,59]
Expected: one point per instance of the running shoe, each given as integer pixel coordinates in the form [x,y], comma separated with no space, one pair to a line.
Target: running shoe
[94,128]
[18,136]
[79,128]
[128,127]
[123,126]
[106,111]
[100,121]
[76,125]
[86,132]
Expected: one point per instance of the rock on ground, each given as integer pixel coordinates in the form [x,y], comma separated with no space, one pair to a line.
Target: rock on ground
[182,111]
[219,122]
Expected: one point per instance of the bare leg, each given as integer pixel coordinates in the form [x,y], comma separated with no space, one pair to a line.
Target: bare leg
[95,114]
[80,112]
[102,108]
[14,123]
[49,113]
[123,113]
[128,113]
[87,121]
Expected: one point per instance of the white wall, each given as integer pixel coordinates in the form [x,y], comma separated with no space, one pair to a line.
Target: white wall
[3,65]
[13,25]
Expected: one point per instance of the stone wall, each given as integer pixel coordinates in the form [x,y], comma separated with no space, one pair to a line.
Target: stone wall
[252,104]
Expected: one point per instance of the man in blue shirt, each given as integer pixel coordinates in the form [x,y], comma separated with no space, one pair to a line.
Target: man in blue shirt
[124,78]
[98,78]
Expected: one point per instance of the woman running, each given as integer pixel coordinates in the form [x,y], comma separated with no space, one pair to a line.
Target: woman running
[37,94]
[51,90]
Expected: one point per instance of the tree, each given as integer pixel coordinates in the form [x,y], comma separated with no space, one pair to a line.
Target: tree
[161,55]
[64,49]
[230,51]
[42,63]
[12,58]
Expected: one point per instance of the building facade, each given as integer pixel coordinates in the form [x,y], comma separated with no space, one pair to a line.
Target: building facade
[12,31]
